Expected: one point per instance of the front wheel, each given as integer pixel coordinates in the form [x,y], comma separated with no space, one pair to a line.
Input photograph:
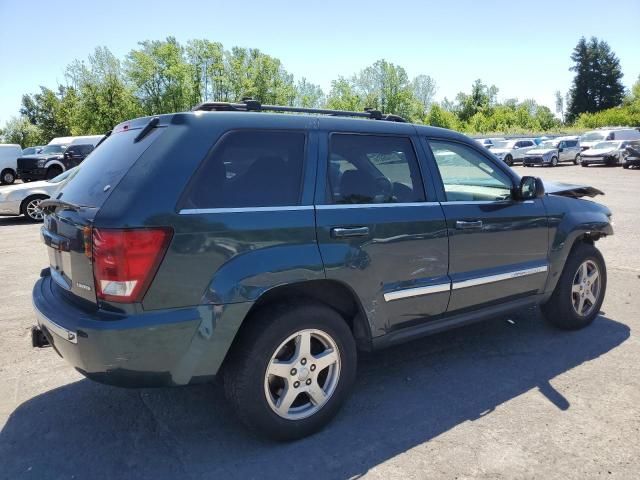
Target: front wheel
[625,166]
[554,161]
[291,369]
[53,172]
[577,160]
[31,208]
[580,291]
[508,160]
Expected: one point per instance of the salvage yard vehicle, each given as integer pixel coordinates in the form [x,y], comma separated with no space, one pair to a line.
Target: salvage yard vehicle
[511,151]
[25,198]
[56,157]
[488,142]
[9,154]
[631,155]
[589,139]
[267,249]
[604,153]
[551,152]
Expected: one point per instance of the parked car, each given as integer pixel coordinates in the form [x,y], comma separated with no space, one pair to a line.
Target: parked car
[539,140]
[25,198]
[631,155]
[488,142]
[9,154]
[589,139]
[32,150]
[550,152]
[511,151]
[604,153]
[280,244]
[52,161]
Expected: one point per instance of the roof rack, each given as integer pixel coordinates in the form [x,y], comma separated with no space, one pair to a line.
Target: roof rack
[250,105]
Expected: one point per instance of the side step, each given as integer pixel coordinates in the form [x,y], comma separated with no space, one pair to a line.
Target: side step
[38,338]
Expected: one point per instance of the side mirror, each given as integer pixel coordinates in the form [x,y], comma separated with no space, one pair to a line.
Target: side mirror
[530,188]
[516,147]
[561,149]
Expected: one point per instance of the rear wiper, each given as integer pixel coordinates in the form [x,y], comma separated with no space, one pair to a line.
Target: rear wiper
[106,135]
[51,204]
[147,128]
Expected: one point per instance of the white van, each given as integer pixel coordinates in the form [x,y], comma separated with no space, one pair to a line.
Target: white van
[589,139]
[9,154]
[77,140]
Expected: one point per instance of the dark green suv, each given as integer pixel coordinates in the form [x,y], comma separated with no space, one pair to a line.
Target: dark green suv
[267,248]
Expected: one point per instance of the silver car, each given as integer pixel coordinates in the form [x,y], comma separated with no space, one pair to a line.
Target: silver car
[510,151]
[24,198]
[551,152]
[604,153]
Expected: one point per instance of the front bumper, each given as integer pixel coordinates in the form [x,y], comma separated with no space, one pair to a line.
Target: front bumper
[157,348]
[598,160]
[32,173]
[10,208]
[633,161]
[535,160]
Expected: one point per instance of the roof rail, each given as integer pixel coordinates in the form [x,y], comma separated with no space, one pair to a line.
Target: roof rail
[250,105]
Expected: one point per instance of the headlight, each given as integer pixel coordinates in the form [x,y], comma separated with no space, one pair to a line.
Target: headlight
[41,163]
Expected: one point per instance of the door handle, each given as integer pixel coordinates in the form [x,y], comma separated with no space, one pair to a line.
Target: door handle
[344,232]
[472,225]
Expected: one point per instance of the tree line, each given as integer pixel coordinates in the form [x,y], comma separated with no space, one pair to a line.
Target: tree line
[163,76]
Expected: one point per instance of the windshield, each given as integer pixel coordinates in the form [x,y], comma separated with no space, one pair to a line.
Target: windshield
[503,144]
[549,144]
[64,175]
[592,136]
[53,149]
[606,145]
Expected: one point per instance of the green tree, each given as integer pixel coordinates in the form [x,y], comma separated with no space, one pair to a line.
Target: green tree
[481,99]
[104,98]
[20,130]
[597,84]
[161,76]
[343,96]
[207,70]
[50,111]
[308,95]
[441,117]
[386,87]
[423,88]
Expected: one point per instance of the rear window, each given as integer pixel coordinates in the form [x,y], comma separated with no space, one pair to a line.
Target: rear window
[105,167]
[249,169]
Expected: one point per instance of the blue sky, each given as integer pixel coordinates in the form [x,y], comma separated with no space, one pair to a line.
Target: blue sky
[521,47]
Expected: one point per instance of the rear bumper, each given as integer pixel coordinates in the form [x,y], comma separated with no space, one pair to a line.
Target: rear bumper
[32,173]
[159,348]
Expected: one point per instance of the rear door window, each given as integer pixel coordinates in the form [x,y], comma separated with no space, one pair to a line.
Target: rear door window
[250,168]
[373,169]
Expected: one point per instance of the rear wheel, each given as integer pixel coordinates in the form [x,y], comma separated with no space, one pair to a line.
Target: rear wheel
[7,177]
[291,369]
[508,160]
[31,208]
[554,161]
[53,172]
[579,294]
[625,166]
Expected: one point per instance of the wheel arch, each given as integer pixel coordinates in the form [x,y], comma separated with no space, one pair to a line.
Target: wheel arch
[332,293]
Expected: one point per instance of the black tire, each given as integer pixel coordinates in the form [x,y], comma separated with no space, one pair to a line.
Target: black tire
[554,162]
[26,208]
[508,160]
[582,164]
[245,368]
[625,166]
[7,177]
[576,160]
[559,309]
[53,172]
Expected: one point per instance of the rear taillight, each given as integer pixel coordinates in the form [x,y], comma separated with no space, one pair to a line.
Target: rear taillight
[125,261]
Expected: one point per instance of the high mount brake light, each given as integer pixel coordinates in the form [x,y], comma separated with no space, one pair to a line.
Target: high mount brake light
[126,260]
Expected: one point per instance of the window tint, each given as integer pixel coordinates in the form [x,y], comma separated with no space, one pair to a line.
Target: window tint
[250,169]
[86,149]
[373,169]
[469,176]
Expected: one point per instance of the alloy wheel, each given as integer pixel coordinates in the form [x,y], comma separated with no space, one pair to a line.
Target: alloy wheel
[586,287]
[34,212]
[302,374]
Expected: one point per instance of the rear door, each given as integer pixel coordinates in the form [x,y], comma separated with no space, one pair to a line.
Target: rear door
[379,232]
[497,245]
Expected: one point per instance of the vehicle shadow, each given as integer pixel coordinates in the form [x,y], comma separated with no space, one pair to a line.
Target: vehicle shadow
[404,397]
[9,221]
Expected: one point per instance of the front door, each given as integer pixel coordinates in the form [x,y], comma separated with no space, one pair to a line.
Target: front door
[378,233]
[497,245]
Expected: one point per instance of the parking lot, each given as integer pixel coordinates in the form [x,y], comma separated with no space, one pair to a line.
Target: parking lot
[508,398]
